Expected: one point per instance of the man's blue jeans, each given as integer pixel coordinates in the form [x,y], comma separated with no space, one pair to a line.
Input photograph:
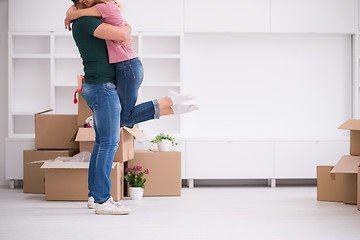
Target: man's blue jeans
[104,102]
[129,76]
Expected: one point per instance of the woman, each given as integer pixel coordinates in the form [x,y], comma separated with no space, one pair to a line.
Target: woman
[129,70]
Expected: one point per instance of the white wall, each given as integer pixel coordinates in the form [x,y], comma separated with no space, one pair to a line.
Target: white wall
[3,88]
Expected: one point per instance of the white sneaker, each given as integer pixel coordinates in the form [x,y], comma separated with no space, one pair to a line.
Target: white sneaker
[178,98]
[111,207]
[91,203]
[184,108]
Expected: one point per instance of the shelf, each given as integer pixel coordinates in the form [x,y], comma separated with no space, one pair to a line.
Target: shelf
[22,136]
[161,70]
[30,56]
[68,56]
[161,56]
[161,45]
[38,44]
[30,85]
[161,84]
[68,84]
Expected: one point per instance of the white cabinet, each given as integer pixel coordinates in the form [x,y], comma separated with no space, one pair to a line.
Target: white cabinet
[37,15]
[14,148]
[229,160]
[314,16]
[273,159]
[155,16]
[299,159]
[227,16]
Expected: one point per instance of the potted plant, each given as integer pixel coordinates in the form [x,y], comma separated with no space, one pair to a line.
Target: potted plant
[135,178]
[164,141]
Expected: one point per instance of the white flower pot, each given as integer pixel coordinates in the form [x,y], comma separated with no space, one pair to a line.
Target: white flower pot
[136,193]
[164,145]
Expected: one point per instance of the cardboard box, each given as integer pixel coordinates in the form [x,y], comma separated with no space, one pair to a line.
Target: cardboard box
[348,165]
[34,177]
[55,131]
[164,178]
[125,151]
[329,185]
[354,126]
[69,181]
[358,190]
[83,111]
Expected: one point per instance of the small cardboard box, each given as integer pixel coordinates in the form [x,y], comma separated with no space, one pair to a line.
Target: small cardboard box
[348,165]
[55,131]
[164,178]
[358,190]
[125,151]
[354,126]
[329,185]
[69,181]
[34,177]
[83,111]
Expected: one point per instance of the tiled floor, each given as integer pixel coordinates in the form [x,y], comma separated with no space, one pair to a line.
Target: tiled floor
[200,213]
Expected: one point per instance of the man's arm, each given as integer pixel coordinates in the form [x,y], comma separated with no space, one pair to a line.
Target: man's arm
[110,32]
[74,13]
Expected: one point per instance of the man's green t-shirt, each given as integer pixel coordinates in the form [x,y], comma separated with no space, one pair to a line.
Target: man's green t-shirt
[93,51]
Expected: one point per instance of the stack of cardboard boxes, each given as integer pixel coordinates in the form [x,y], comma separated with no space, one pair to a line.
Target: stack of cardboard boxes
[341,183]
[68,180]
[53,139]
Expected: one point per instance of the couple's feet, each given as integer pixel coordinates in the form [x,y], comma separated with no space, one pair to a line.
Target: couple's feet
[109,207]
[179,106]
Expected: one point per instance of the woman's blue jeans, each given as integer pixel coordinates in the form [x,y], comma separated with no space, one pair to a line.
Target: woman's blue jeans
[129,76]
[104,102]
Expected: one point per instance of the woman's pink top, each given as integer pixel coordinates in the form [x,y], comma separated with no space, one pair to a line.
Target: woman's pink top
[111,14]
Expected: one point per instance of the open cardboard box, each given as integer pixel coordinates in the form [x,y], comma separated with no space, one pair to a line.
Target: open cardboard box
[55,131]
[34,176]
[125,151]
[69,180]
[354,126]
[340,183]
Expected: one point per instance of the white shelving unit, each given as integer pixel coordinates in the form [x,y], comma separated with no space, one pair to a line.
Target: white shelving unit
[161,55]
[43,67]
[42,75]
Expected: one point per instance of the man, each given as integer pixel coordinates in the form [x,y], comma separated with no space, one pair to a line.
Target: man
[100,93]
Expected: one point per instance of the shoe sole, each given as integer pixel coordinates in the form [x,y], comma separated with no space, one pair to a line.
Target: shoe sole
[91,206]
[112,213]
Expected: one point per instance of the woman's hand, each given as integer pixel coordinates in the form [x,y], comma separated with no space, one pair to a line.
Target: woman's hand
[127,43]
[67,23]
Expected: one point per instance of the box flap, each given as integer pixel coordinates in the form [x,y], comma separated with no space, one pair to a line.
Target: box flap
[49,110]
[85,135]
[351,124]
[68,165]
[137,133]
[40,161]
[347,164]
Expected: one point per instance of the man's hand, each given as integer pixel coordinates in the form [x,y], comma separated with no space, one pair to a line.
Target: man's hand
[127,43]
[67,23]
